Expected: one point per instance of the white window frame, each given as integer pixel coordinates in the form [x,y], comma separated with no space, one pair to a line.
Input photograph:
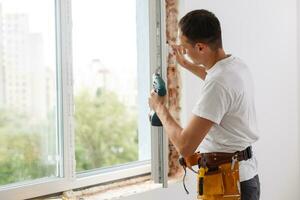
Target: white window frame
[67,170]
[298,48]
[158,59]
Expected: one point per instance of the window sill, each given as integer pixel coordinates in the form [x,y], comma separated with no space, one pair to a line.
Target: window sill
[115,190]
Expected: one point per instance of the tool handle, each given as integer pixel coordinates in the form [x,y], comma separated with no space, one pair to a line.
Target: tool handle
[201,174]
[201,186]
[155,121]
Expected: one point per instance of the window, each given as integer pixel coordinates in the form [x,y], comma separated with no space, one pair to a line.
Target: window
[106,85]
[28,128]
[80,116]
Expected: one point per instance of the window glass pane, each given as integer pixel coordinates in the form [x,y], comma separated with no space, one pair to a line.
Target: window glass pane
[28,135]
[105,84]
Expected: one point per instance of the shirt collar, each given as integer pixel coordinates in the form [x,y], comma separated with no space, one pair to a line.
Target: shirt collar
[221,62]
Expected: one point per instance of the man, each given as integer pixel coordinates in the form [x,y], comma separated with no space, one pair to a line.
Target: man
[224,118]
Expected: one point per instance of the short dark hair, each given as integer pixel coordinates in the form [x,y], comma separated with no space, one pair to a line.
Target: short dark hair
[202,26]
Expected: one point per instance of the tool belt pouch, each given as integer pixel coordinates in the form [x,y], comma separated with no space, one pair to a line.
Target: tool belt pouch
[212,184]
[222,182]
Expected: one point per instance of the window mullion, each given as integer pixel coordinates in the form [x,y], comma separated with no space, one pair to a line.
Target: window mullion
[65,44]
[159,140]
[163,57]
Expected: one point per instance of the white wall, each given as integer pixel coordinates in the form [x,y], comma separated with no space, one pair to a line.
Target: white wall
[264,34]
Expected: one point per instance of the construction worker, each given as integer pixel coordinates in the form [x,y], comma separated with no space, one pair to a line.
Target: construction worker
[224,118]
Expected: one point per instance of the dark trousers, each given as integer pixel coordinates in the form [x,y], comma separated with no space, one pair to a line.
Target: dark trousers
[251,189]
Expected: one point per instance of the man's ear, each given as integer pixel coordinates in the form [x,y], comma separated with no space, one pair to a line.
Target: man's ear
[200,47]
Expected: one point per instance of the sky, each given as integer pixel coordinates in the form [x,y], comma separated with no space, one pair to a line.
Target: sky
[101,30]
[41,20]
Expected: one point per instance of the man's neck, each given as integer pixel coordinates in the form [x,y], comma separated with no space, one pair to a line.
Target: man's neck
[214,58]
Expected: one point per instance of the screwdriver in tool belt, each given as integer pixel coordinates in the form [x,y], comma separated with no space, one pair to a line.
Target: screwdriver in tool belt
[201,174]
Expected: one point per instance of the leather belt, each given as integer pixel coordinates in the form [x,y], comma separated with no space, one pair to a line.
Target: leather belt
[212,160]
[215,158]
[218,158]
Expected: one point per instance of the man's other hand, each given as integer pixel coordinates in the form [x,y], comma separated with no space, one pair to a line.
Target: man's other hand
[179,51]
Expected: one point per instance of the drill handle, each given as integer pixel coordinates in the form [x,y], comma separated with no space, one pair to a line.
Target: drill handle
[159,87]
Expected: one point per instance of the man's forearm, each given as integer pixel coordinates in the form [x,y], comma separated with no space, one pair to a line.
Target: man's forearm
[172,128]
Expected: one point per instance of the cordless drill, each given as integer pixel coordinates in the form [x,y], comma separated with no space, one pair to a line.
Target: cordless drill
[159,87]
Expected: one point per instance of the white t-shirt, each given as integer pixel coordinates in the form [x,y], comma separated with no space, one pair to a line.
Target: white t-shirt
[227,99]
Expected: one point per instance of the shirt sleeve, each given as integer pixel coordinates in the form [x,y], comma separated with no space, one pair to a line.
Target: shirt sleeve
[213,103]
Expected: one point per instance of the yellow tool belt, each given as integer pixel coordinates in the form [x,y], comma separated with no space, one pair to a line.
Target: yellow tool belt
[220,183]
[218,174]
